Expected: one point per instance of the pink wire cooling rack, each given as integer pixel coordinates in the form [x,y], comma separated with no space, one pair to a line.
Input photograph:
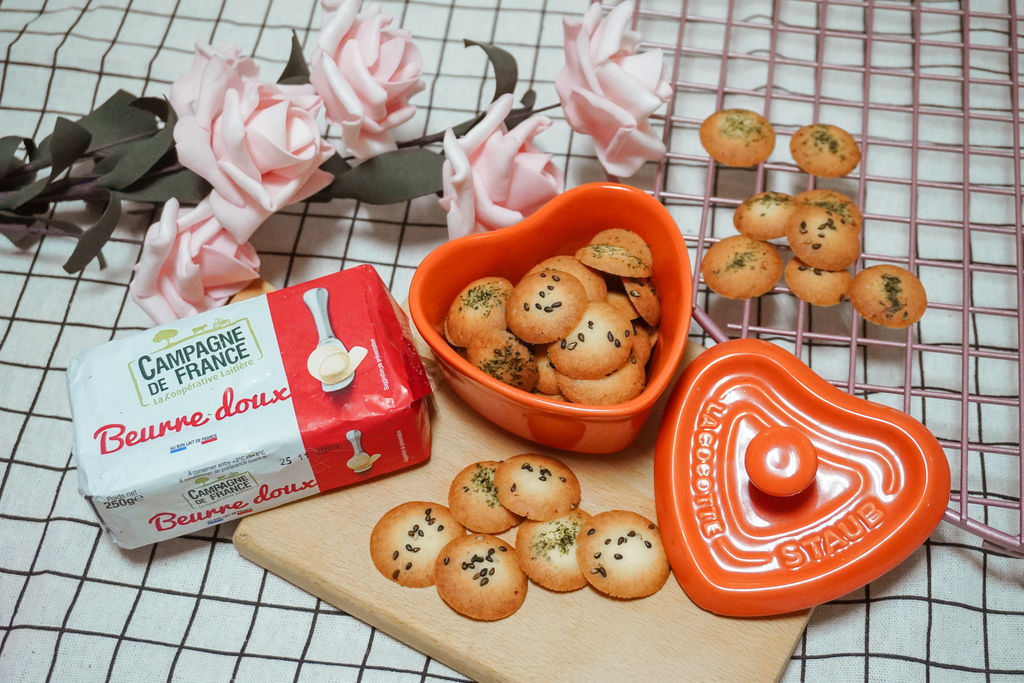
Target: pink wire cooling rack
[932,92]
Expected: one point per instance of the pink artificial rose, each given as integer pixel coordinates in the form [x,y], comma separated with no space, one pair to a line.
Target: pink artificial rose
[366,74]
[494,177]
[190,263]
[258,144]
[228,63]
[608,91]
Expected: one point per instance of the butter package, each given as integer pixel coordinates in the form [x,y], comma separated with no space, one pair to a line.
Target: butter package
[246,407]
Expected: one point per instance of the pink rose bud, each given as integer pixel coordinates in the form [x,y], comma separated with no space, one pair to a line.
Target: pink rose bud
[366,74]
[609,92]
[190,263]
[258,144]
[494,177]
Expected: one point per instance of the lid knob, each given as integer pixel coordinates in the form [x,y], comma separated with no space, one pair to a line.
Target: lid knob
[781,461]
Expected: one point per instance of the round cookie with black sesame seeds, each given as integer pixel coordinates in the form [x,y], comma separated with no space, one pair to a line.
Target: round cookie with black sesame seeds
[737,137]
[479,576]
[502,356]
[644,298]
[473,500]
[480,306]
[739,267]
[545,305]
[823,239]
[816,286]
[547,551]
[592,282]
[536,486]
[889,296]
[824,150]
[621,554]
[600,343]
[406,541]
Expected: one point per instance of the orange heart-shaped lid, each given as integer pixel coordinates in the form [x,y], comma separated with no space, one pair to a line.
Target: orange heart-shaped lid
[776,491]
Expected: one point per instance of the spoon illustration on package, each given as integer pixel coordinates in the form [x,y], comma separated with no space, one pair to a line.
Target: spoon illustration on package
[330,362]
[361,461]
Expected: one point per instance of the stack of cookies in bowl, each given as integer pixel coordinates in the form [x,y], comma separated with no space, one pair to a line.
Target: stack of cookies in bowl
[576,327]
[508,378]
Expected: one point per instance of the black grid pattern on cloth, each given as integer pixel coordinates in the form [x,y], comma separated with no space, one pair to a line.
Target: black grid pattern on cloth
[73,605]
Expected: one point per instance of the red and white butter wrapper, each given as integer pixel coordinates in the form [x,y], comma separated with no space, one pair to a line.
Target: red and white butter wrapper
[225,413]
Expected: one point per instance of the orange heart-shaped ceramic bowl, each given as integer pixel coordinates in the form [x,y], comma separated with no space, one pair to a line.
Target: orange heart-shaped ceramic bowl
[562,226]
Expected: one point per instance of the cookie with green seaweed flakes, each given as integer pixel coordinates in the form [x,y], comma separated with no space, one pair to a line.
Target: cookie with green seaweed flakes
[627,239]
[824,150]
[621,554]
[478,576]
[504,358]
[764,216]
[834,201]
[614,260]
[547,551]
[473,500]
[480,306]
[406,541]
[739,267]
[737,137]
[888,295]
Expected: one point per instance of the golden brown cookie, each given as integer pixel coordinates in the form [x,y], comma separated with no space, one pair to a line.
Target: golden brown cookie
[624,384]
[504,358]
[627,239]
[407,540]
[592,282]
[644,298]
[621,554]
[888,295]
[737,137]
[600,343]
[479,577]
[816,286]
[823,239]
[825,150]
[764,216]
[473,500]
[642,344]
[739,267]
[478,307]
[536,486]
[545,305]
[836,202]
[621,301]
[546,382]
[615,260]
[547,551]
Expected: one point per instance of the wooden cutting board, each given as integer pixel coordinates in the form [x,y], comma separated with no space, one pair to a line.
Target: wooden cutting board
[321,545]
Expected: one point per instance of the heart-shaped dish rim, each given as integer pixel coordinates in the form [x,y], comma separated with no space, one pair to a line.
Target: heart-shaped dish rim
[453,265]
